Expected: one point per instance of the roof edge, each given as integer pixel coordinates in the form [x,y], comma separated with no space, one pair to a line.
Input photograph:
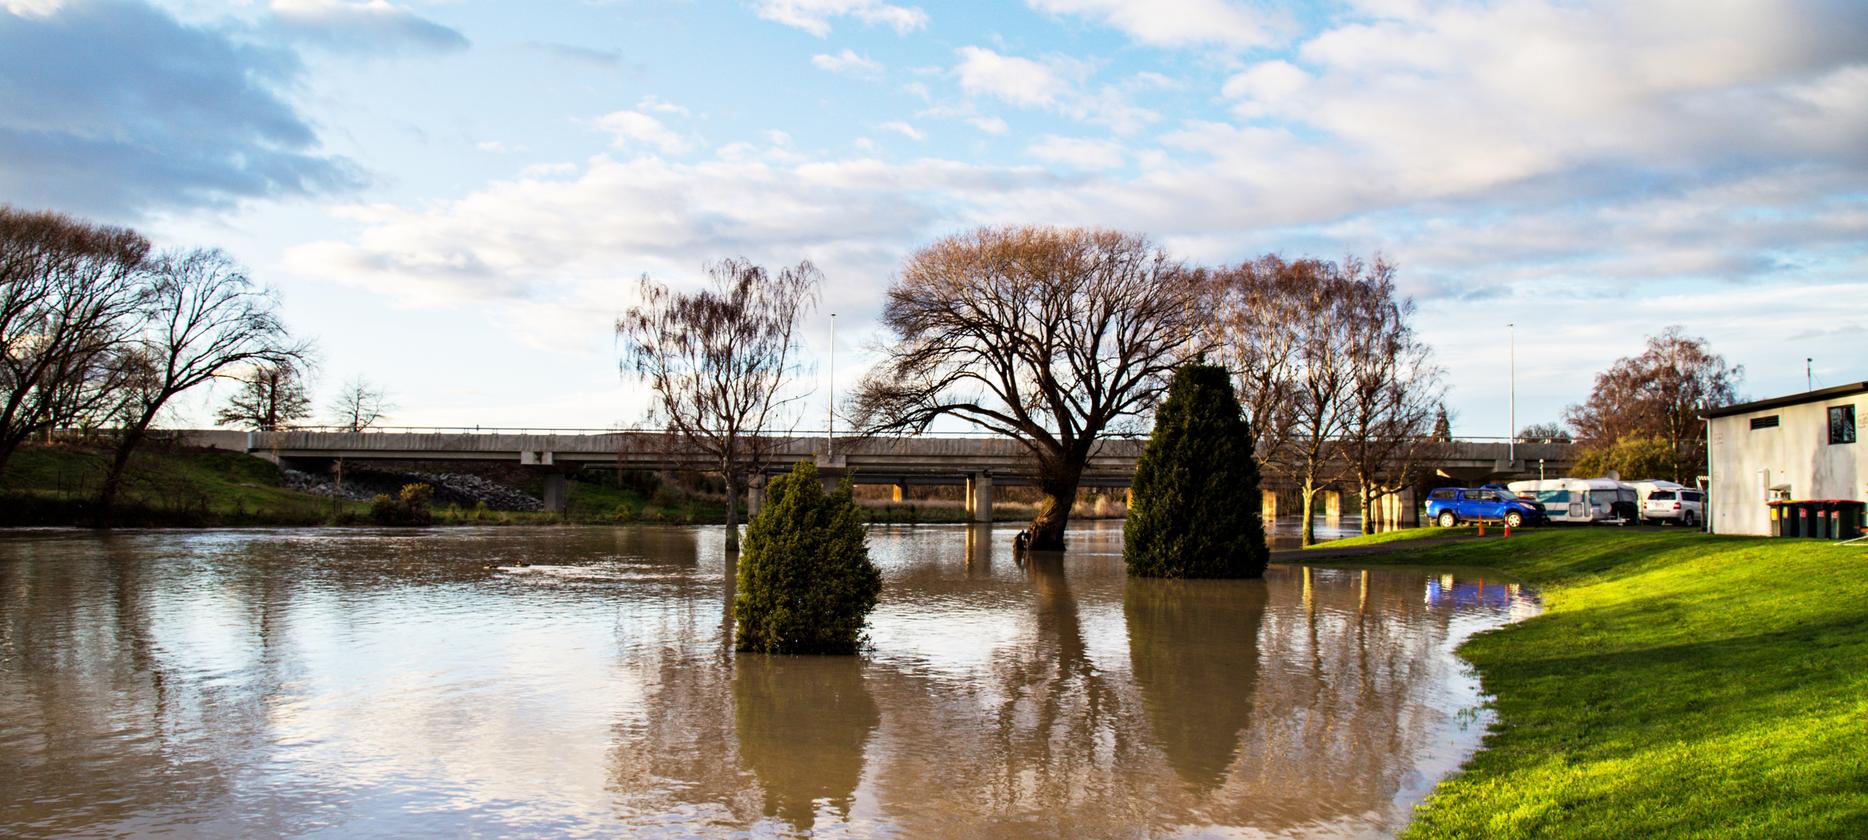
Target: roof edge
[1786,400]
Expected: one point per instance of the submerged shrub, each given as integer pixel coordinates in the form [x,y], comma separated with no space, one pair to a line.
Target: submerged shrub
[806,584]
[1195,506]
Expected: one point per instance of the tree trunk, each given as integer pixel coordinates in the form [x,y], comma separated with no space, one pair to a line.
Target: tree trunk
[1310,508]
[732,514]
[1047,529]
[1367,493]
[113,477]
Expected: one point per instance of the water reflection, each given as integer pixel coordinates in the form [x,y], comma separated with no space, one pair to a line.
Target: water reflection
[1193,646]
[803,723]
[581,681]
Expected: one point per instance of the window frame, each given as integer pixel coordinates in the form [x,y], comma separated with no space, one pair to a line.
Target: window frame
[1848,425]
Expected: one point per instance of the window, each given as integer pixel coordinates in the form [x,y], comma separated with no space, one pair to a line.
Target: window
[1441,494]
[1692,496]
[1661,495]
[1764,422]
[1842,424]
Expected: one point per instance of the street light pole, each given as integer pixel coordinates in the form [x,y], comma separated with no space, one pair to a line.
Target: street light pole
[830,404]
[1511,445]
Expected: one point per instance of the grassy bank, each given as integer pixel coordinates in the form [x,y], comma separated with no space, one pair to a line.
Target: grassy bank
[1677,685]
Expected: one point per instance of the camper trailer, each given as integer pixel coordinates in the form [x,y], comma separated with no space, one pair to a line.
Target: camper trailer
[1581,499]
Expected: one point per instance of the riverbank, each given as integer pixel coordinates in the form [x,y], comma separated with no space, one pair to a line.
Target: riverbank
[1677,684]
[211,488]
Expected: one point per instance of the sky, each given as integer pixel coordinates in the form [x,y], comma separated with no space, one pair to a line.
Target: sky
[455,199]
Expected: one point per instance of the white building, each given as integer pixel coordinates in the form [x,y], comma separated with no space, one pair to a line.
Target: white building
[1803,446]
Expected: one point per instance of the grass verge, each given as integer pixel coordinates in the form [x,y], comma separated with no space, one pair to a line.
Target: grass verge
[1677,685]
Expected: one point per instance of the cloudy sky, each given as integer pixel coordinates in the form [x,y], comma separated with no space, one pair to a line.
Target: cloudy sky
[455,197]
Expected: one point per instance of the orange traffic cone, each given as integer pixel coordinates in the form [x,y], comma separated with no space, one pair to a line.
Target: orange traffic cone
[1481,527]
[1507,529]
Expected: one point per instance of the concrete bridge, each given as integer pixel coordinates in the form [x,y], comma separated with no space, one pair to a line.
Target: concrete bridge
[978,463]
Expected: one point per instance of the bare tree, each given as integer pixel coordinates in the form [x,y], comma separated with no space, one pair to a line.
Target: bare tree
[1053,337]
[201,317]
[719,362]
[1660,392]
[270,398]
[1544,433]
[1285,327]
[1394,387]
[360,405]
[68,297]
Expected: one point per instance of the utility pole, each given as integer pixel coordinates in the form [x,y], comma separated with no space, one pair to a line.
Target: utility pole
[830,404]
[1511,444]
[1809,373]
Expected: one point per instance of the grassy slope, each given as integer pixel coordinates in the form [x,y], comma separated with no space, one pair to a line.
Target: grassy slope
[1677,685]
[179,487]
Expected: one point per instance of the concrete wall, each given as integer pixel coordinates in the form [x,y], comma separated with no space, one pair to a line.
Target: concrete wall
[1747,463]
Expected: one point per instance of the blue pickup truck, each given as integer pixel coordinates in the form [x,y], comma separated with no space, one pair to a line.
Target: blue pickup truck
[1451,506]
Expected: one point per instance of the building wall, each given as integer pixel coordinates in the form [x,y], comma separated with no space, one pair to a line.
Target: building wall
[1747,463]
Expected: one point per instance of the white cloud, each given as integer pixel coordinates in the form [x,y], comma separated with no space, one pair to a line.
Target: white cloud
[1054,84]
[904,129]
[1019,81]
[990,125]
[1082,153]
[848,63]
[351,25]
[655,104]
[636,128]
[1266,87]
[1174,23]
[814,16]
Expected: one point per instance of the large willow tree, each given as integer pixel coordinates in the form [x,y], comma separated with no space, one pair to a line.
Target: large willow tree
[1051,336]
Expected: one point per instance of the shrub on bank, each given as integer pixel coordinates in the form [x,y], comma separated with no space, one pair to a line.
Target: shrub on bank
[412,506]
[806,584]
[1195,506]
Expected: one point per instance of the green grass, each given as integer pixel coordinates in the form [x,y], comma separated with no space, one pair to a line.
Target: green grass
[186,487]
[1677,685]
[1406,535]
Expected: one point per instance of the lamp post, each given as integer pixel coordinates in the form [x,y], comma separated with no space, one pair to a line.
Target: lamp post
[830,402]
[1511,442]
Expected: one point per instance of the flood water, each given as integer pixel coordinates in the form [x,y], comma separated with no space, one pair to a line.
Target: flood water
[581,681]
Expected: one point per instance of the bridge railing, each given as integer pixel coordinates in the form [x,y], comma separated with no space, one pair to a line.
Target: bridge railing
[794,433]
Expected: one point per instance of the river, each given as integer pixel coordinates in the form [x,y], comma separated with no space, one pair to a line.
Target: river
[581,681]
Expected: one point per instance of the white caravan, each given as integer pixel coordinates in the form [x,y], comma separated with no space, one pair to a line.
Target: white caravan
[1579,499]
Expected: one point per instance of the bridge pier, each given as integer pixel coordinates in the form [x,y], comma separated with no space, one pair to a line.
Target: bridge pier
[979,496]
[755,496]
[898,492]
[1268,506]
[1333,507]
[557,495]
[1407,512]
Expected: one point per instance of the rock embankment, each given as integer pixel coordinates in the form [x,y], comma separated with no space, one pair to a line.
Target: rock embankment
[460,489]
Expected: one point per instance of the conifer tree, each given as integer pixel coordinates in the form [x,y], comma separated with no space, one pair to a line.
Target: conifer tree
[806,584]
[1195,508]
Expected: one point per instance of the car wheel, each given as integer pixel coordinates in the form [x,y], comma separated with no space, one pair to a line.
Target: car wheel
[1514,519]
[1690,519]
[1447,520]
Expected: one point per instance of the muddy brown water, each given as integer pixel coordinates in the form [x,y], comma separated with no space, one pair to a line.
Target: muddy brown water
[580,681]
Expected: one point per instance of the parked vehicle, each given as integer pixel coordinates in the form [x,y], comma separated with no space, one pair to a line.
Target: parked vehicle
[1665,501]
[1451,506]
[1581,500]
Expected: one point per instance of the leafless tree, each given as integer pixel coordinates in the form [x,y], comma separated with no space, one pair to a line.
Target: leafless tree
[1661,393]
[270,398]
[1053,337]
[201,317]
[1285,327]
[719,362]
[1394,387]
[69,293]
[360,405]
[1544,433]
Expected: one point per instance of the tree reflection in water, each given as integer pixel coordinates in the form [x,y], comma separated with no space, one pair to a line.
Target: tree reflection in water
[1193,649]
[803,723]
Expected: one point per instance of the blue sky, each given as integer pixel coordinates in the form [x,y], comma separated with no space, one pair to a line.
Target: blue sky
[456,198]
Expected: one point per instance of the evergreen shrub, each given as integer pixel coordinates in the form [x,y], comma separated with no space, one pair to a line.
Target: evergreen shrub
[1195,506]
[806,584]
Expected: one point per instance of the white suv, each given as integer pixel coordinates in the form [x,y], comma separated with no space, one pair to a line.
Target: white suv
[1685,506]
